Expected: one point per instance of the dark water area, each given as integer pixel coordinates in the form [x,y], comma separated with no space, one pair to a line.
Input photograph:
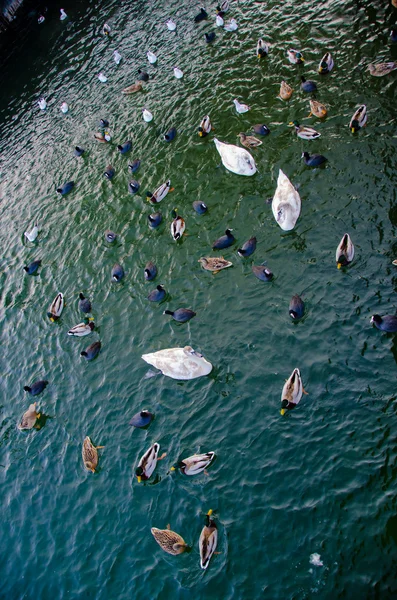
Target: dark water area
[321,479]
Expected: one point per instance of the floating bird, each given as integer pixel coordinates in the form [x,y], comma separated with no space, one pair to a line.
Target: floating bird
[148,462]
[36,388]
[152,58]
[124,148]
[171,25]
[131,89]
[317,109]
[160,193]
[262,49]
[142,75]
[382,68]
[193,465]
[82,329]
[247,248]
[359,119]
[179,363]
[249,141]
[307,85]
[102,78]
[224,241]
[178,73]
[241,108]
[177,226]
[292,392]
[285,91]
[32,267]
[102,137]
[134,166]
[117,272]
[295,57]
[235,159]
[32,235]
[103,123]
[304,132]
[201,16]
[205,127]
[314,160]
[42,103]
[170,135]
[65,188]
[142,419]
[64,108]
[210,37]
[89,453]
[84,304]
[286,203]
[155,219]
[109,172]
[106,29]
[393,35]
[110,236]
[147,115]
[200,207]
[150,271]
[262,273]
[63,15]
[78,151]
[91,351]
[344,252]
[208,541]
[386,323]
[223,7]
[296,308]
[157,295]
[182,315]
[56,308]
[261,129]
[117,57]
[29,418]
[231,26]
[41,19]
[214,264]
[169,541]
[326,64]
[133,186]
[219,22]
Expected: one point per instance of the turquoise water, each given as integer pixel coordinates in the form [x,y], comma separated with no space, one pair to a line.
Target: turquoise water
[320,480]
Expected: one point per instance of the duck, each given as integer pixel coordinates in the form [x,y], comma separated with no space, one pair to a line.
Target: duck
[210,37]
[32,267]
[249,141]
[193,465]
[161,192]
[124,148]
[171,25]
[133,186]
[317,109]
[286,203]
[110,236]
[63,15]
[308,85]
[200,207]
[241,108]
[262,49]
[170,135]
[178,73]
[56,308]
[314,160]
[109,172]
[78,151]
[219,22]
[382,69]
[117,57]
[147,115]
[91,351]
[84,304]
[142,419]
[292,392]
[182,315]
[155,219]
[41,19]
[359,119]
[150,271]
[224,241]
[148,462]
[214,264]
[247,248]
[102,77]
[64,107]
[326,64]
[295,57]
[142,75]
[205,126]
[235,159]
[179,363]
[231,26]
[169,541]
[296,307]
[261,129]
[29,418]
[32,234]
[152,58]
[89,453]
[42,103]
[132,89]
[36,388]
[223,7]
[65,188]
[393,35]
[103,123]
[304,132]
[202,15]
[134,166]
[208,540]
[102,137]
[82,329]
[344,252]
[117,272]
[386,323]
[106,29]
[285,91]
[262,273]
[157,295]
[178,226]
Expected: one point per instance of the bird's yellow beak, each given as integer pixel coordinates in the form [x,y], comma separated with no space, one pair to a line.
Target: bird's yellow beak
[139,478]
[283,411]
[52,320]
[339,265]
[209,513]
[200,133]
[258,55]
[302,59]
[172,469]
[353,130]
[290,124]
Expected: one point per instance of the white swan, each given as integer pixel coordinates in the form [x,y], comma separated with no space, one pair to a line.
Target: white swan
[286,204]
[179,363]
[235,159]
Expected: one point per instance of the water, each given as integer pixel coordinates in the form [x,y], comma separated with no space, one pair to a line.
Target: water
[320,480]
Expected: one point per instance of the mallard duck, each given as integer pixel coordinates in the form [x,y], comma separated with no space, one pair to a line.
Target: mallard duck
[160,193]
[235,159]
[317,109]
[169,541]
[314,160]
[386,323]
[148,462]
[295,57]
[304,132]
[249,141]
[177,226]
[286,203]
[208,540]
[205,127]
[285,91]
[382,69]
[359,119]
[296,308]
[262,49]
[214,264]
[90,454]
[131,89]
[102,137]
[292,392]
[193,465]
[56,308]
[82,329]
[241,108]
[344,252]
[179,363]
[247,248]
[106,29]
[29,418]
[222,7]
[219,22]
[326,64]
[181,315]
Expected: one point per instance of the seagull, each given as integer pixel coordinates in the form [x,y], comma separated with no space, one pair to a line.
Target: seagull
[42,103]
[102,78]
[32,235]
[117,57]
[241,108]
[178,73]
[63,15]
[171,25]
[231,26]
[64,108]
[147,115]
[152,58]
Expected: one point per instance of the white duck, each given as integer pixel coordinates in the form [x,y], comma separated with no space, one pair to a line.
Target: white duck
[235,159]
[171,25]
[64,107]
[102,78]
[32,235]
[241,108]
[152,58]
[63,15]
[178,73]
[147,115]
[179,363]
[117,57]
[286,204]
[42,103]
[231,26]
